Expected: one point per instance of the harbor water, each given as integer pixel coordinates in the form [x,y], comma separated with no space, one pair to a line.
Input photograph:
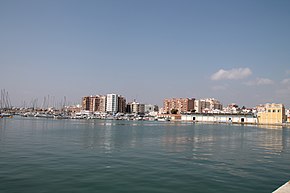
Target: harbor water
[82,156]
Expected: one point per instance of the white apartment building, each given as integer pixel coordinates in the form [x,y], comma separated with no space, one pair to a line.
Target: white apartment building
[151,108]
[207,105]
[197,106]
[112,103]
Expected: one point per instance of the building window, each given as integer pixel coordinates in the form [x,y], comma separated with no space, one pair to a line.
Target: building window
[274,111]
[278,111]
[269,111]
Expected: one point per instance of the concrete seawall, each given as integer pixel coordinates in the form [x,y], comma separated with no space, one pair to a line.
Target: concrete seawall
[283,189]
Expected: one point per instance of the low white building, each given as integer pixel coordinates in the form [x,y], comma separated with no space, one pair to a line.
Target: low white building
[221,118]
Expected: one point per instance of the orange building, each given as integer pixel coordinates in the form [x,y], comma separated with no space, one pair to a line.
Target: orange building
[98,103]
[181,105]
[94,103]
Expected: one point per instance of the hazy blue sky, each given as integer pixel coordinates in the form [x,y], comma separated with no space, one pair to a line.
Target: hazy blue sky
[234,51]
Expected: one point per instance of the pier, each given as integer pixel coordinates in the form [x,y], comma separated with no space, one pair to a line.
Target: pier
[283,189]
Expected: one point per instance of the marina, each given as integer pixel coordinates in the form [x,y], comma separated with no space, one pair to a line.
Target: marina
[145,96]
[240,119]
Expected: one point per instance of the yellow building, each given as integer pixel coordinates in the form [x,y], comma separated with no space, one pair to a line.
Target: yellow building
[272,114]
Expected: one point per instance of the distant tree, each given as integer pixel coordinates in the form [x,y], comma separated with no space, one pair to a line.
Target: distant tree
[174,111]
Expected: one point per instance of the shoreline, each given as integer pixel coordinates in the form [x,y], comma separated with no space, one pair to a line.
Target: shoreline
[283,125]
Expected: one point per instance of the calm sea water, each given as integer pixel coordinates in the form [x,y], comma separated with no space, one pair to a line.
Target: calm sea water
[68,156]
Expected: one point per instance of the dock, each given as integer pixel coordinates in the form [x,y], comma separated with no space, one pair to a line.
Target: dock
[284,188]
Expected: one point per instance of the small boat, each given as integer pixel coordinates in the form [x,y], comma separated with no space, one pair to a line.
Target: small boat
[2,115]
[163,119]
[43,115]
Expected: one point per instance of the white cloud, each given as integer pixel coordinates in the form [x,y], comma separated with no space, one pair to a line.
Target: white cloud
[260,81]
[233,74]
[286,81]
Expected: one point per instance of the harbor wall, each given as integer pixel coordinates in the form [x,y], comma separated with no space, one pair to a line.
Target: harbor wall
[284,188]
[220,118]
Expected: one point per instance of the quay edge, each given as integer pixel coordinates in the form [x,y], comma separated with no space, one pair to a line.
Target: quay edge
[284,188]
[247,119]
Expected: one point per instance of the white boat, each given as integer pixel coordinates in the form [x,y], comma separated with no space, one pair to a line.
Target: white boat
[2,115]
[163,119]
[43,115]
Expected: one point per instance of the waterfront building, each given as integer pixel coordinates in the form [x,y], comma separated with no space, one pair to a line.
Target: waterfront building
[288,115]
[112,103]
[121,104]
[271,114]
[161,111]
[197,106]
[181,105]
[101,104]
[94,103]
[135,107]
[207,105]
[141,108]
[85,103]
[220,118]
[138,108]
[88,103]
[151,108]
[232,108]
[215,104]
[128,108]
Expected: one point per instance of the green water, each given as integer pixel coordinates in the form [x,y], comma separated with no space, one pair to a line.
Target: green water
[69,156]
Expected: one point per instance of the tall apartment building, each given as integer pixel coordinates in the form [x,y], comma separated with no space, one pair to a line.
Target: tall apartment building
[115,103]
[197,106]
[205,105]
[182,105]
[272,114]
[121,104]
[94,103]
[112,103]
[86,103]
[101,103]
[135,107]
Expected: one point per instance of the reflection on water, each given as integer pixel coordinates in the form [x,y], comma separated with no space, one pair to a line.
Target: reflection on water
[160,156]
[2,130]
[174,137]
[177,137]
[285,139]
[112,135]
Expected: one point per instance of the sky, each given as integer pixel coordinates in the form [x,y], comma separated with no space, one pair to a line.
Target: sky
[235,51]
